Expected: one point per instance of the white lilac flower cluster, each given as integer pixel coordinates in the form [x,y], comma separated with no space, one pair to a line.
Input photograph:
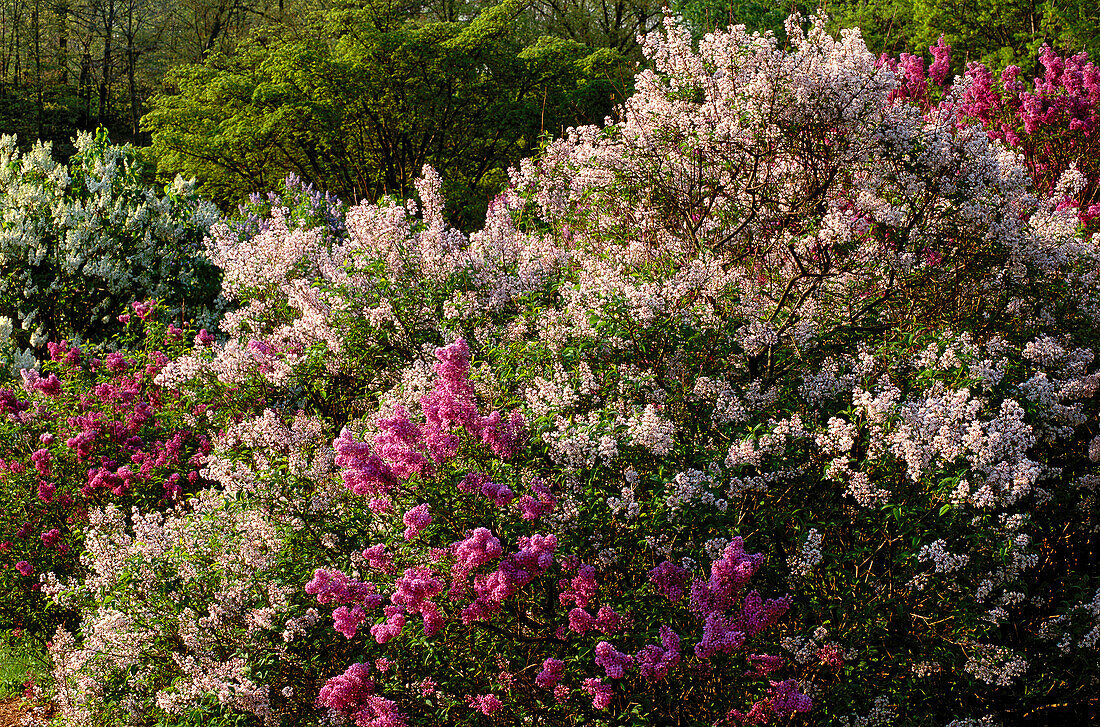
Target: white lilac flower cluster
[809,555]
[728,407]
[80,242]
[941,560]
[994,664]
[984,721]
[130,558]
[12,358]
[688,488]
[701,350]
[881,714]
[627,506]
[650,430]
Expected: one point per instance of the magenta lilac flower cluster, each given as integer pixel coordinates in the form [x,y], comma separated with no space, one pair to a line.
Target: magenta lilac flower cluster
[488,582]
[1053,120]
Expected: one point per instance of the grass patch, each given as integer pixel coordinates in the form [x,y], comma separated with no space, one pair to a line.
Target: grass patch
[18,663]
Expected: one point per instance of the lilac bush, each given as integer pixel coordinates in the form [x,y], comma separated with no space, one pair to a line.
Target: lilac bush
[80,240]
[774,400]
[89,429]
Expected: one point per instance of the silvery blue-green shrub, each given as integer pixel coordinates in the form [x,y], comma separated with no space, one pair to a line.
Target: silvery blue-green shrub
[80,242]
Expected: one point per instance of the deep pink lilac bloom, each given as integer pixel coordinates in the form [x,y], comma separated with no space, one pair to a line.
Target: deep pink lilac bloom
[333,586]
[450,403]
[831,655]
[551,674]
[487,704]
[532,508]
[347,621]
[63,352]
[143,309]
[600,691]
[581,621]
[414,591]
[655,661]
[535,556]
[608,622]
[783,700]
[42,459]
[379,712]
[365,473]
[391,627]
[480,547]
[503,435]
[759,713]
[764,664]
[116,362]
[758,614]
[50,386]
[347,691]
[720,634]
[416,519]
[399,441]
[582,588]
[377,557]
[669,579]
[46,492]
[24,567]
[475,481]
[941,52]
[12,405]
[728,575]
[427,687]
[614,662]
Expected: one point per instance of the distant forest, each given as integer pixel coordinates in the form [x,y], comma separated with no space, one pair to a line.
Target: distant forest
[354,97]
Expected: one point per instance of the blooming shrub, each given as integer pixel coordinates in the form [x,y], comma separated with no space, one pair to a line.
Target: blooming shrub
[79,242]
[84,432]
[773,400]
[1054,121]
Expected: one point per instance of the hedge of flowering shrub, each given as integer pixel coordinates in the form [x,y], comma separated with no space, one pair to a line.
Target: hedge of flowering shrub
[774,401]
[80,241]
[86,431]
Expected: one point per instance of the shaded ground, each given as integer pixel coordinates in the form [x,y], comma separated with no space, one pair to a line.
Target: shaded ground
[16,712]
[12,711]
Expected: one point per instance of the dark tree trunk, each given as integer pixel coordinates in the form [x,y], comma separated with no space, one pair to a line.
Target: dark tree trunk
[104,110]
[38,65]
[63,41]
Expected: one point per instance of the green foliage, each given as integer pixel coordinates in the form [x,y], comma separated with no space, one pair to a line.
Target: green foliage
[996,32]
[360,103]
[79,243]
[703,16]
[21,664]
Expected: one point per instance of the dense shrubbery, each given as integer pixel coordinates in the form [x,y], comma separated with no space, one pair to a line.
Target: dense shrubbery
[775,398]
[84,432]
[79,242]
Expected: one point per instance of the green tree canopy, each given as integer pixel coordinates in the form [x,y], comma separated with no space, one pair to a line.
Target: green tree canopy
[360,103]
[996,32]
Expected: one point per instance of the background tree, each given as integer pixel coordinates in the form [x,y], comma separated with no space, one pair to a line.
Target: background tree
[996,32]
[703,16]
[614,24]
[363,101]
